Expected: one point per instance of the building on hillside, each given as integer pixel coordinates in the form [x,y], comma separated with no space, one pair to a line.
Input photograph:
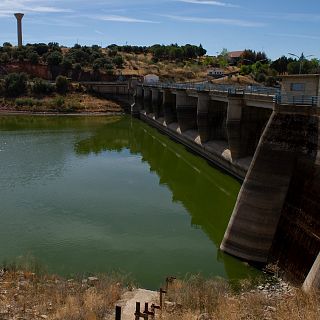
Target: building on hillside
[234,57]
[216,73]
[150,78]
[300,89]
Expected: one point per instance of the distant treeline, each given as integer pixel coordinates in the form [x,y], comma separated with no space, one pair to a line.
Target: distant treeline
[164,52]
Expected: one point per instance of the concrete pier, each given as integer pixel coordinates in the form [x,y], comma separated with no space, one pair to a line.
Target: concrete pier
[169,106]
[147,100]
[234,116]
[186,111]
[203,120]
[19,17]
[156,101]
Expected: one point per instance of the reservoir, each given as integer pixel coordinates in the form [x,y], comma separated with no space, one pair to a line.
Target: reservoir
[97,194]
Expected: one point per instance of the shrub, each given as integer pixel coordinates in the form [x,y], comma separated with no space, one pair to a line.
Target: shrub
[62,84]
[41,86]
[15,84]
[2,89]
[58,102]
[54,58]
[118,61]
[29,102]
[33,57]
[67,64]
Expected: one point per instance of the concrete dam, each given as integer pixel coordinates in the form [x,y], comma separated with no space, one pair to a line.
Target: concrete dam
[271,143]
[270,140]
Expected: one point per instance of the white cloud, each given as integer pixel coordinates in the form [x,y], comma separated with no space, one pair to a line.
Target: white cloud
[211,3]
[290,35]
[117,18]
[8,7]
[230,22]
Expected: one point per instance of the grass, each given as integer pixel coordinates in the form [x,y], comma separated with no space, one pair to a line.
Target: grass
[26,295]
[216,299]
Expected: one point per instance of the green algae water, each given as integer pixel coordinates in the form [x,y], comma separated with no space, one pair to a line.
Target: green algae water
[99,194]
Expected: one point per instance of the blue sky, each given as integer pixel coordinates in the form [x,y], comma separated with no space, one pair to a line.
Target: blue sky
[275,26]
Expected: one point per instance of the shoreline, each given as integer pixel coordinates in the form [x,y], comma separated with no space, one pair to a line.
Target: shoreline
[27,295]
[6,112]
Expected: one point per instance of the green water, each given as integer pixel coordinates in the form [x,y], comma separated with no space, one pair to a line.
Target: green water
[98,194]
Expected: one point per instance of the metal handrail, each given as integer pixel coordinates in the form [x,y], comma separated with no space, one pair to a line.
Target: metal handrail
[297,100]
[207,86]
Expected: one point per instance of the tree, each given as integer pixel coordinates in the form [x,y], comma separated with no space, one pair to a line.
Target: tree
[66,64]
[15,84]
[118,61]
[40,48]
[41,86]
[7,44]
[54,58]
[294,67]
[62,85]
[33,57]
[223,58]
[4,58]
[281,64]
[201,51]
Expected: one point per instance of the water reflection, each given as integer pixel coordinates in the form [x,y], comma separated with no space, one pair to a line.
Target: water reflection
[77,193]
[206,193]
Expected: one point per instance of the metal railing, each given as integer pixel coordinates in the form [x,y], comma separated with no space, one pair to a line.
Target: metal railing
[222,88]
[297,100]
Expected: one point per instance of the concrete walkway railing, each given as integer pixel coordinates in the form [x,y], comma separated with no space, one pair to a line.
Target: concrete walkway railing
[207,86]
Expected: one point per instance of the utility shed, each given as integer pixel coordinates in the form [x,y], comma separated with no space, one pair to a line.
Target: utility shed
[301,88]
[301,84]
[151,78]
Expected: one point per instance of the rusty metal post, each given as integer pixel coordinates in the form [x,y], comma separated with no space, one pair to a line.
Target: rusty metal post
[137,313]
[161,297]
[118,313]
[169,280]
[146,311]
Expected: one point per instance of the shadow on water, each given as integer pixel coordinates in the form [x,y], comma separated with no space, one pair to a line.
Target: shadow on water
[206,193]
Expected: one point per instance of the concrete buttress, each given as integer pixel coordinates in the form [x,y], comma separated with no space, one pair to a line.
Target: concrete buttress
[312,281]
[255,218]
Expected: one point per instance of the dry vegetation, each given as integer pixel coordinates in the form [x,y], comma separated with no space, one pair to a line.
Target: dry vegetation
[215,299]
[73,102]
[25,295]
[142,64]
[184,71]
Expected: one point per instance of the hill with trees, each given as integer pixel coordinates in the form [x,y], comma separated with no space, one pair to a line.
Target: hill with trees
[171,62]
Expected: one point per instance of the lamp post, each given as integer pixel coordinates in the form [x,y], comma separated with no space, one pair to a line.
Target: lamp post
[301,58]
[256,61]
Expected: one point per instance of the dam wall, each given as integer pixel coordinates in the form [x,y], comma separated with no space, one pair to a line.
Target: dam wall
[221,128]
[274,148]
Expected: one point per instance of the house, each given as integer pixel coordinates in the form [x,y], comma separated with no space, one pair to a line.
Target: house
[216,73]
[234,57]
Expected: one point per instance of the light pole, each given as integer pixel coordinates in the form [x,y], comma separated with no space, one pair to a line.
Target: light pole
[301,58]
[256,61]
